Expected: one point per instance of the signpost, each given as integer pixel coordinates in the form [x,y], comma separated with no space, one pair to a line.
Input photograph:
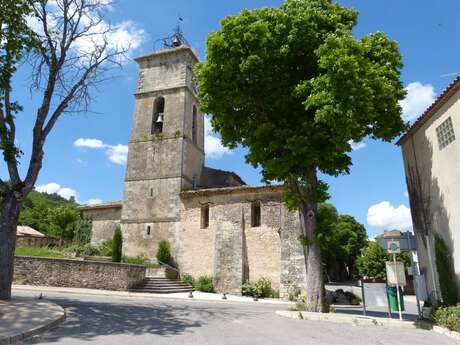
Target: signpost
[394,273]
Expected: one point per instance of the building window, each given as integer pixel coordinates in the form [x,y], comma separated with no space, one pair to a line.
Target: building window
[204,216]
[194,115]
[255,214]
[149,228]
[445,133]
[158,115]
[151,192]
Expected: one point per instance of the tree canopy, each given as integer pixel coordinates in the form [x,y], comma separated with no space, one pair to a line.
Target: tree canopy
[341,239]
[50,214]
[294,86]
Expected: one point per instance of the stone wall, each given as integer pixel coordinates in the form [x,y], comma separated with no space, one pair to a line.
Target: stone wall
[104,221]
[231,250]
[27,241]
[75,273]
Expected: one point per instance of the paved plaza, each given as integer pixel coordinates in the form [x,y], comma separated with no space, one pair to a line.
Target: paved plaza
[118,320]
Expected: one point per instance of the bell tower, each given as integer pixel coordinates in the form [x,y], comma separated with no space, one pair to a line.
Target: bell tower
[166,149]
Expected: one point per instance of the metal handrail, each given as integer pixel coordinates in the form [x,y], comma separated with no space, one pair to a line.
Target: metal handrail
[169,266]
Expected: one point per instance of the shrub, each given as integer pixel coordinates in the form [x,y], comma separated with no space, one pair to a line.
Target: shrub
[139,260]
[294,292]
[300,303]
[204,284]
[261,288]
[106,248]
[117,245]
[164,252]
[446,273]
[188,279]
[448,317]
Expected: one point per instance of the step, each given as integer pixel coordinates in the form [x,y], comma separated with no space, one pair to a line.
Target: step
[160,291]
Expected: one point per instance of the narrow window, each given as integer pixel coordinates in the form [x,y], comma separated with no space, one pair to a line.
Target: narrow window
[255,214]
[445,133]
[158,115]
[194,125]
[151,192]
[204,216]
[148,229]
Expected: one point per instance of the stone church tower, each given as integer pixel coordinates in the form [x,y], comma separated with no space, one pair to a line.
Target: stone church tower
[166,149]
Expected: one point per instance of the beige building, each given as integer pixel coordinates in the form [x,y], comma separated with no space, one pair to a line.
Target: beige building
[216,224]
[431,154]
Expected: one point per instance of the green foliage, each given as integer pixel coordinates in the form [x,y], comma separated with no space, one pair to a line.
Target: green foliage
[446,273]
[106,247]
[293,84]
[16,40]
[164,252]
[372,262]
[341,239]
[188,279]
[50,214]
[45,252]
[117,245]
[448,317]
[139,260]
[83,230]
[204,284]
[261,288]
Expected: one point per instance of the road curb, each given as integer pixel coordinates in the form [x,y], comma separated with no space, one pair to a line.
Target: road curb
[126,294]
[350,319]
[52,323]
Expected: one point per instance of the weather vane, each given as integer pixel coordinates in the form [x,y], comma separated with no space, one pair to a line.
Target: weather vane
[176,39]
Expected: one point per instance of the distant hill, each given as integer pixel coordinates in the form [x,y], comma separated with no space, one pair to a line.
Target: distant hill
[49,214]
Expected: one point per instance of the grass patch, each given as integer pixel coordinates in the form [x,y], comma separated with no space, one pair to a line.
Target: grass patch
[46,252]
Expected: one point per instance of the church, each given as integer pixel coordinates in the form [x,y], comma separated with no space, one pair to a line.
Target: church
[216,224]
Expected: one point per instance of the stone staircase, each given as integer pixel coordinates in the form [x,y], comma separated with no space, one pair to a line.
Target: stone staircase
[161,285]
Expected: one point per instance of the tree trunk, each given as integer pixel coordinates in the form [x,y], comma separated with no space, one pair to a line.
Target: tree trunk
[9,213]
[312,251]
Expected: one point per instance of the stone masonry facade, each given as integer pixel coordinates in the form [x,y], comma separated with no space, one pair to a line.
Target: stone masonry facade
[216,224]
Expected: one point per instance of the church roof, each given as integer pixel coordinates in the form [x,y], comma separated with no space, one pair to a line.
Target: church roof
[232,190]
[215,178]
[110,204]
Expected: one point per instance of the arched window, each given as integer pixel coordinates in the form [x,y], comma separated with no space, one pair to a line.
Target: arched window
[158,115]
[194,119]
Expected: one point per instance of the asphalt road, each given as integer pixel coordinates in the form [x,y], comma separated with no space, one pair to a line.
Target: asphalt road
[126,321]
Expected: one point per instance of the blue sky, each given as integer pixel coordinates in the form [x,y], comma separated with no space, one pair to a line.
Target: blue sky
[375,190]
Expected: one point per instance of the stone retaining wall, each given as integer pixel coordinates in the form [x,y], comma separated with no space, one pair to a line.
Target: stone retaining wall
[75,273]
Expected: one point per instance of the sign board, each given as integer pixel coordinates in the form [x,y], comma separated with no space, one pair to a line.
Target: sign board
[394,247]
[395,273]
[420,287]
[375,294]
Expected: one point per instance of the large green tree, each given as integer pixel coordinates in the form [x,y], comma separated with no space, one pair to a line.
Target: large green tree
[294,86]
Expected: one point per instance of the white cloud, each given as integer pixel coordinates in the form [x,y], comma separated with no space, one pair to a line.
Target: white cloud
[406,194]
[123,36]
[419,97]
[54,188]
[89,143]
[387,217]
[93,202]
[117,154]
[357,146]
[212,145]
